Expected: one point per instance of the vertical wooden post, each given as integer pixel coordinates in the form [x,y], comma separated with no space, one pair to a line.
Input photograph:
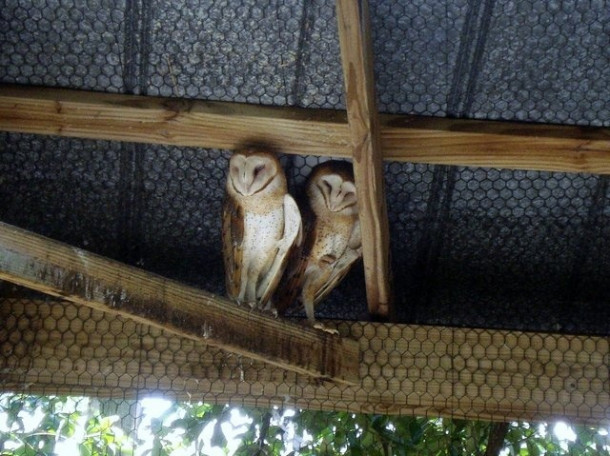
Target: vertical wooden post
[360,99]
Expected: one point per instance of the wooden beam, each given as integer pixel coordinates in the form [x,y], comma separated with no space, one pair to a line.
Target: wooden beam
[50,347]
[194,123]
[174,121]
[57,269]
[361,103]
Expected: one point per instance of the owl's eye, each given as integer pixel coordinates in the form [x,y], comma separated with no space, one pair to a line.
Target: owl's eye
[327,186]
[349,198]
[258,170]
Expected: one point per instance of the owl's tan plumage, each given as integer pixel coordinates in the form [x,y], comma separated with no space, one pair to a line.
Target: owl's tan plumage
[261,224]
[332,237]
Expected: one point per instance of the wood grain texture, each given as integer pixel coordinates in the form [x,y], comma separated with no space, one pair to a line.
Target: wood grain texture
[174,121]
[196,123]
[57,269]
[52,347]
[361,103]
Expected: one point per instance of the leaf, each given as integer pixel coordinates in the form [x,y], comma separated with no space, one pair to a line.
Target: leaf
[532,448]
[417,430]
[355,450]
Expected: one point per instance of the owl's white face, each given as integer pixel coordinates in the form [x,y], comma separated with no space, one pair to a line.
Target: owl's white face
[249,174]
[339,195]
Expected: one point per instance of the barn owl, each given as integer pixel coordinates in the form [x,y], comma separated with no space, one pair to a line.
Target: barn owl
[332,237]
[261,223]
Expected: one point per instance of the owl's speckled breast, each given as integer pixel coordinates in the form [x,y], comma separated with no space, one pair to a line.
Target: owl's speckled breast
[262,234]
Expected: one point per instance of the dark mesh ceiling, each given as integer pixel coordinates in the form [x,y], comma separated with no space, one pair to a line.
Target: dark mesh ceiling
[470,246]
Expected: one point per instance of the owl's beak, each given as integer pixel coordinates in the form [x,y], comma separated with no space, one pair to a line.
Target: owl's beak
[247,180]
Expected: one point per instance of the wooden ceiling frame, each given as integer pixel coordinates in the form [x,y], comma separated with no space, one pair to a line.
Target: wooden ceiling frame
[225,125]
[367,138]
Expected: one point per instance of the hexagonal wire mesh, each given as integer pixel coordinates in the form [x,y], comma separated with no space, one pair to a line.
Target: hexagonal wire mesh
[471,247]
[61,348]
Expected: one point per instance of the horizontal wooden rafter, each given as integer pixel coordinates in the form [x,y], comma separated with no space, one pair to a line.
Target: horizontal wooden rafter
[79,276]
[195,123]
[52,347]
[357,61]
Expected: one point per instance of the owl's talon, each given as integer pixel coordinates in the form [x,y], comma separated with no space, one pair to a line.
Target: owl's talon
[269,308]
[320,326]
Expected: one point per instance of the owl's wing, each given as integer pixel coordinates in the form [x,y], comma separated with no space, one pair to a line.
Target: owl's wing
[292,281]
[232,238]
[343,264]
[292,236]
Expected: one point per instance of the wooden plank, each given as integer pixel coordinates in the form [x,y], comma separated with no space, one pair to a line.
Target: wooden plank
[174,121]
[196,123]
[49,347]
[510,145]
[57,269]
[361,103]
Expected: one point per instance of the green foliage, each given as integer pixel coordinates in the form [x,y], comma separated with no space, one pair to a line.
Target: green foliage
[39,426]
[523,439]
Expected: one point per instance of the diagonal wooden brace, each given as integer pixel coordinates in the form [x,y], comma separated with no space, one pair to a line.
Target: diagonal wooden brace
[76,275]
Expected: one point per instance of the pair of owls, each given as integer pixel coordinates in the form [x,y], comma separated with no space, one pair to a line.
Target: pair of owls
[271,257]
